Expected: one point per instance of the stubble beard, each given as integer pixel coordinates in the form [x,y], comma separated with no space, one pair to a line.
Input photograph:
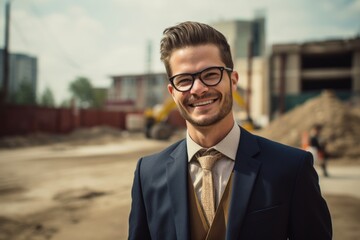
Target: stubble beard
[225,109]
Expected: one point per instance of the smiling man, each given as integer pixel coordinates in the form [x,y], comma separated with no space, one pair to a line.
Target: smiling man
[207,103]
[221,182]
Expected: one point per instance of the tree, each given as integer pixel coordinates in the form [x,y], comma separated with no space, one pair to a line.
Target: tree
[82,90]
[25,94]
[47,98]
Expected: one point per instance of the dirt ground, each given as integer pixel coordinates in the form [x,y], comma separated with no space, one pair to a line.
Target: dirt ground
[68,191]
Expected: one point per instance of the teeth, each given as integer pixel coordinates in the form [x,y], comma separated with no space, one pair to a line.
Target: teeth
[202,103]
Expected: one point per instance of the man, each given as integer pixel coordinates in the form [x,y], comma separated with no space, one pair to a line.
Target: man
[257,189]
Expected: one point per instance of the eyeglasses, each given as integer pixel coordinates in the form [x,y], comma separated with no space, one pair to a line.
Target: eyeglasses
[210,77]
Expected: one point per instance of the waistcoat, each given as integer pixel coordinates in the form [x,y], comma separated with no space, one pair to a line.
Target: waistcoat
[199,228]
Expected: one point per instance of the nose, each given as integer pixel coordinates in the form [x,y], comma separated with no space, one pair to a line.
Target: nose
[198,87]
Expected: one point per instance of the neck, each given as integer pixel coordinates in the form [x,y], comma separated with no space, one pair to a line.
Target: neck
[209,136]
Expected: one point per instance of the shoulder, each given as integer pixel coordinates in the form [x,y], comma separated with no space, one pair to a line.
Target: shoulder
[277,147]
[276,152]
[165,152]
[281,161]
[255,143]
[159,159]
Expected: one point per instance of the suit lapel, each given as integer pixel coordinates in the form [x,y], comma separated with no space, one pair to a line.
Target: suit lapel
[245,172]
[177,172]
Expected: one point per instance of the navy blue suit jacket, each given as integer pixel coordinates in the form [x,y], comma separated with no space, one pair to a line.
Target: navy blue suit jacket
[275,194]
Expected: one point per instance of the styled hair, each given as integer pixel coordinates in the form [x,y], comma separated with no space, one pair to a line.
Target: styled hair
[188,34]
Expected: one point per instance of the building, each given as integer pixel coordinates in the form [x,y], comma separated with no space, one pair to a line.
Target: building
[299,71]
[137,92]
[141,95]
[23,70]
[247,42]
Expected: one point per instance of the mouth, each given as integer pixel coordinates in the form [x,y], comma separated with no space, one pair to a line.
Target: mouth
[203,103]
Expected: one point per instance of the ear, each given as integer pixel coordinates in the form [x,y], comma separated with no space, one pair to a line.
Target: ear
[234,80]
[170,89]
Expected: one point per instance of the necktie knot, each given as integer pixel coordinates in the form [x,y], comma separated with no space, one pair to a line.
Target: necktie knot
[207,158]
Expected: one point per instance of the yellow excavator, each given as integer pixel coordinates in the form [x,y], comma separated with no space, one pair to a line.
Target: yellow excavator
[157,126]
[247,123]
[156,121]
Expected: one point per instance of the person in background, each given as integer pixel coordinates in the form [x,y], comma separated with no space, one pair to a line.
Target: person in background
[317,148]
[221,181]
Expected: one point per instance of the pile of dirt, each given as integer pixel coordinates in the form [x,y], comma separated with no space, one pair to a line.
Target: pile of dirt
[101,134]
[341,125]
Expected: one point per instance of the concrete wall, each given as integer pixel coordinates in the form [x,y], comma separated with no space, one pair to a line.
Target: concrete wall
[356,70]
[259,104]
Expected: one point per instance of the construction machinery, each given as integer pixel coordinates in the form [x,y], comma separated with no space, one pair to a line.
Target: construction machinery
[246,123]
[156,121]
[157,125]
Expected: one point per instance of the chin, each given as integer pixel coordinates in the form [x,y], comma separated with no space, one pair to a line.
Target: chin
[204,121]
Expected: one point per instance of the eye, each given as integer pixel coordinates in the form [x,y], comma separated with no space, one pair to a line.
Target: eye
[183,80]
[211,74]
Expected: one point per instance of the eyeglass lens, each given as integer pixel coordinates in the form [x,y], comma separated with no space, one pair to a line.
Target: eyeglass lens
[209,76]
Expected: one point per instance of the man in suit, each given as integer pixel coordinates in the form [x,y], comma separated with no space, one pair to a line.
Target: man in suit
[260,189]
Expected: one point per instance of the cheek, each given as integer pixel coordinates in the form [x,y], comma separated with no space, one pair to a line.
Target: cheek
[177,97]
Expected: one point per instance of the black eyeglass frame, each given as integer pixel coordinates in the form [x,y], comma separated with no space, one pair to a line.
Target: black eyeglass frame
[194,75]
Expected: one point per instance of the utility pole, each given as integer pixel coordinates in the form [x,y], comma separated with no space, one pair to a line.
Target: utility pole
[149,57]
[282,85]
[4,92]
[249,80]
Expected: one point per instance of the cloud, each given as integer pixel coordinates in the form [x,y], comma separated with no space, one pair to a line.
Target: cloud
[67,45]
[99,39]
[306,20]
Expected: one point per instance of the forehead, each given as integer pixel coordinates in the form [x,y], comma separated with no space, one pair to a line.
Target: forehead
[194,58]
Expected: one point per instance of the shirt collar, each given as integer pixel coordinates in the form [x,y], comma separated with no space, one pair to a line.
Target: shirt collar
[227,146]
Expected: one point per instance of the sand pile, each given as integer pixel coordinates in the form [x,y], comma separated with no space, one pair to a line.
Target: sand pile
[341,125]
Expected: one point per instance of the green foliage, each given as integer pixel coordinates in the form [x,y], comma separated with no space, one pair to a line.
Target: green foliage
[86,95]
[47,98]
[82,90]
[25,94]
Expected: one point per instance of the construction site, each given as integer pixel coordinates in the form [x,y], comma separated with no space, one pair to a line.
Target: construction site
[66,172]
[77,186]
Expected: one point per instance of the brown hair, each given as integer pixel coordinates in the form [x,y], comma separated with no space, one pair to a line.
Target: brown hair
[192,34]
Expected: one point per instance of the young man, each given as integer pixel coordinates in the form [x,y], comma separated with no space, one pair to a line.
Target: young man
[257,189]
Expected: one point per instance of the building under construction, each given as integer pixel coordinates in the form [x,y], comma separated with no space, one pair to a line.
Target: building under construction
[298,72]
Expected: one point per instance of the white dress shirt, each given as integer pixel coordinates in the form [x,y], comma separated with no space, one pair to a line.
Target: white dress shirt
[222,169]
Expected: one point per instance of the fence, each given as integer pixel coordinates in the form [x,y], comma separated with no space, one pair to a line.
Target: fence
[21,120]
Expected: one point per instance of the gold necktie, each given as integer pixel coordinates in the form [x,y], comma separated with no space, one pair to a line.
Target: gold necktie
[207,158]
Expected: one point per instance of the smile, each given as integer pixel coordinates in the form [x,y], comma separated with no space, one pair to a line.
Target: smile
[203,103]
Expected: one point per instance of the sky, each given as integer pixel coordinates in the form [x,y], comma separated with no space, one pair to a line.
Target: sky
[99,39]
